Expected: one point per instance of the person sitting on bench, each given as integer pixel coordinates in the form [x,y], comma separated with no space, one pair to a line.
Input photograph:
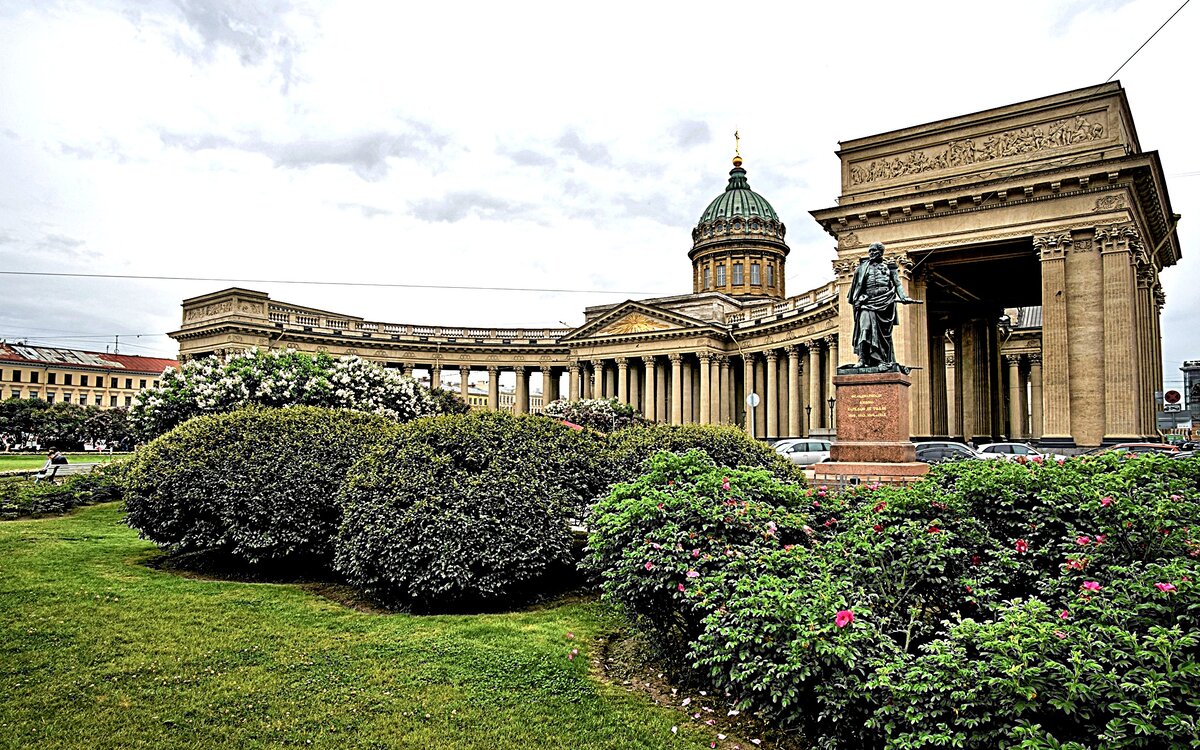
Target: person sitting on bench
[54,459]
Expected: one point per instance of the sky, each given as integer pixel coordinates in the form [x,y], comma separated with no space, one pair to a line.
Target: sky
[546,146]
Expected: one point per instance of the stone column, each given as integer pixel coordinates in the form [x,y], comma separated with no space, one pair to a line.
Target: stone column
[977,382]
[689,401]
[772,395]
[493,387]
[573,384]
[831,365]
[610,381]
[676,388]
[726,390]
[649,410]
[598,379]
[1122,410]
[407,369]
[748,388]
[662,403]
[814,386]
[1145,307]
[1016,416]
[938,416]
[549,386]
[956,362]
[623,379]
[1035,397]
[705,388]
[464,383]
[635,388]
[1056,389]
[794,404]
[435,377]
[521,403]
[1023,402]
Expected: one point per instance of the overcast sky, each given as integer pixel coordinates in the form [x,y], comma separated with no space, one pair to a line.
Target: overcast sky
[552,146]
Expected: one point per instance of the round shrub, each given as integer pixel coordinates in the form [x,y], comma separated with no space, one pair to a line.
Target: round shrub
[729,446]
[460,511]
[257,484]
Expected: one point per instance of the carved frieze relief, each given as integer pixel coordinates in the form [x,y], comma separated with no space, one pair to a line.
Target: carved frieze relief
[849,240]
[1109,203]
[967,151]
[209,311]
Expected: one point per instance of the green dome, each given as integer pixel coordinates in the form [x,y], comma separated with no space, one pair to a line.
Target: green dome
[738,200]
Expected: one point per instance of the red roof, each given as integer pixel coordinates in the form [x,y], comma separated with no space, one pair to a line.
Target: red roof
[42,356]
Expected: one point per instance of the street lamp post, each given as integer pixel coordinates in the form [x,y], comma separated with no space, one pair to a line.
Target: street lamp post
[832,401]
[808,413]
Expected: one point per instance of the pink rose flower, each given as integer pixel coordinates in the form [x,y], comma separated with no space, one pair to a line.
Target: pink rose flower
[1091,585]
[692,574]
[1106,501]
[1083,540]
[1022,546]
[1165,587]
[844,617]
[1064,615]
[649,565]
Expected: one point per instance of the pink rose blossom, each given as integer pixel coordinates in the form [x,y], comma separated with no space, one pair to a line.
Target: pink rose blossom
[934,529]
[1165,587]
[1083,541]
[725,484]
[649,565]
[1106,501]
[692,574]
[1022,546]
[1064,615]
[1091,585]
[1060,634]
[844,617]
[695,553]
[680,587]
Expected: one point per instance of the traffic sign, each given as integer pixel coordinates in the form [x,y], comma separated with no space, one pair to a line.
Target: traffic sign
[1172,397]
[1172,407]
[753,400]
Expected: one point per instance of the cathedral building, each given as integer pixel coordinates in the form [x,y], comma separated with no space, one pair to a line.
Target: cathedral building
[1034,233]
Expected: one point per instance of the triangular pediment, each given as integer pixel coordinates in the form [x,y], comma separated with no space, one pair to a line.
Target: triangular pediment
[635,318]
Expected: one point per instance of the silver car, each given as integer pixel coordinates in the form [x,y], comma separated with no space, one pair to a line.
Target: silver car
[806,452]
[1010,452]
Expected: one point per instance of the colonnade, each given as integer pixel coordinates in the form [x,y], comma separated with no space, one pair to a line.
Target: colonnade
[551,379]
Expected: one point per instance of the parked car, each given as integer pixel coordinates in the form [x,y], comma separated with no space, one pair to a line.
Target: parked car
[1010,451]
[1135,448]
[936,452]
[1183,454]
[781,445]
[806,452]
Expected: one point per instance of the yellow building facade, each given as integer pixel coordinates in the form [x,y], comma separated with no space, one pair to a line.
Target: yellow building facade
[76,376]
[1035,233]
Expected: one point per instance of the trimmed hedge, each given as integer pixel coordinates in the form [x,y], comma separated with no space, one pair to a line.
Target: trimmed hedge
[258,484]
[629,449]
[465,510]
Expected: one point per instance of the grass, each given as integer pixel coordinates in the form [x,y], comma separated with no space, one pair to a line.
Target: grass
[15,461]
[99,650]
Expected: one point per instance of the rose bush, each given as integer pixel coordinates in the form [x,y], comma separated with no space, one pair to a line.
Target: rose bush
[993,604]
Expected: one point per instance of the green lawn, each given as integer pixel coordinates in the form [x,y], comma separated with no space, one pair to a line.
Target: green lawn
[97,650]
[10,461]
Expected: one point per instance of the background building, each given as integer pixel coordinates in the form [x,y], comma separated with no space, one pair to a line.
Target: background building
[1035,233]
[76,376]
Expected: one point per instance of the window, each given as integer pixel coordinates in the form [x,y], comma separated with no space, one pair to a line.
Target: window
[34,393]
[770,275]
[720,276]
[83,380]
[155,383]
[51,378]
[142,383]
[67,378]
[17,377]
[707,277]
[49,398]
[99,399]
[14,393]
[112,383]
[129,383]
[738,276]
[34,376]
[129,400]
[83,399]
[112,400]
[68,397]
[755,274]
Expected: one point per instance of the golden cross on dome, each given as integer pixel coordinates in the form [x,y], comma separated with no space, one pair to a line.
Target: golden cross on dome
[737,148]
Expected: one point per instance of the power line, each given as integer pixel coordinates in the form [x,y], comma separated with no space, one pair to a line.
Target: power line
[1139,49]
[381,284]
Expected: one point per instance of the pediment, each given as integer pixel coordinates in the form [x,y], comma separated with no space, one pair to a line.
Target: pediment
[634,318]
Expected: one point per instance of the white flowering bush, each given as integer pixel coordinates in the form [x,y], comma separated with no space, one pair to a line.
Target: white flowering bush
[604,414]
[279,378]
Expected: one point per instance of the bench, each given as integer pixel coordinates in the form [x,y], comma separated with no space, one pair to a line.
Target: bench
[63,470]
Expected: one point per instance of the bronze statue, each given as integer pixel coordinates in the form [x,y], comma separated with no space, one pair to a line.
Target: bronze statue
[873,294]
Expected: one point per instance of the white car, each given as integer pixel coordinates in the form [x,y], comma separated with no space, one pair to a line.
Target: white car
[806,452]
[1010,452]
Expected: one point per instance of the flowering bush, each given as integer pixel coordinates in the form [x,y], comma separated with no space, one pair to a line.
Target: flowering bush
[256,484]
[280,378]
[465,510]
[994,604]
[603,414]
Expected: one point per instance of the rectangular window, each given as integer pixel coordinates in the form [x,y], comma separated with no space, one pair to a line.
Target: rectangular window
[49,398]
[83,399]
[720,276]
[707,277]
[51,378]
[34,393]
[83,380]
[155,383]
[68,397]
[129,400]
[739,278]
[99,400]
[755,274]
[112,400]
[67,378]
[112,383]
[17,376]
[142,383]
[14,393]
[129,383]
[770,275]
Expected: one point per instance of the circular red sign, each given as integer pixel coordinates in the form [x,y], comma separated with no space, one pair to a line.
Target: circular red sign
[1171,397]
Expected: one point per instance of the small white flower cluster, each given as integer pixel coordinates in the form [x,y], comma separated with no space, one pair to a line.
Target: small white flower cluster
[278,378]
[599,413]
